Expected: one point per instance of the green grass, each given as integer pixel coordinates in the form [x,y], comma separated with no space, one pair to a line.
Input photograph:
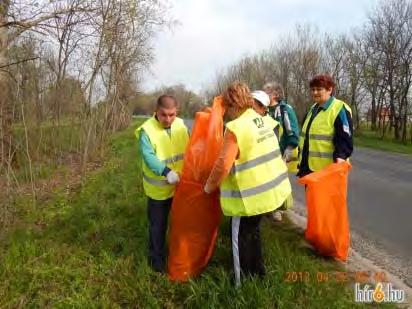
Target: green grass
[371,139]
[48,146]
[88,250]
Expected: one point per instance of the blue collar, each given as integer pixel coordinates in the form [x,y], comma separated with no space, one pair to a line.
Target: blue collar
[326,105]
[280,103]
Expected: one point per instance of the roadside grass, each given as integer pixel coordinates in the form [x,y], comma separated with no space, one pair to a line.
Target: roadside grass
[372,139]
[48,148]
[88,250]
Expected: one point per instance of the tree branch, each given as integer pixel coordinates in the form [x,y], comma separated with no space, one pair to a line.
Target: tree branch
[17,62]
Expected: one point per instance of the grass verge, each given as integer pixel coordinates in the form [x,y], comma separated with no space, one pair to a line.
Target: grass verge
[88,250]
[371,139]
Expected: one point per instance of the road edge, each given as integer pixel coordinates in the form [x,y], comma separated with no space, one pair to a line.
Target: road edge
[359,263]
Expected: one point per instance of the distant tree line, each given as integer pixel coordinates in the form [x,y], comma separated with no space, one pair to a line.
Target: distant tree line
[372,68]
[189,101]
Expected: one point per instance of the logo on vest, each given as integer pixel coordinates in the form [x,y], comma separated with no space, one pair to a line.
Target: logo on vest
[259,122]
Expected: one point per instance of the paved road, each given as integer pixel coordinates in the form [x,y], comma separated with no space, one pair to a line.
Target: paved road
[379,201]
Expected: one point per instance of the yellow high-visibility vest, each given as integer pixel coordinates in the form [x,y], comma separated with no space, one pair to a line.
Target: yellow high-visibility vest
[169,149]
[321,134]
[258,182]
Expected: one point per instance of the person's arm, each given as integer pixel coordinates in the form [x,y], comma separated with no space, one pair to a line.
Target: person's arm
[343,138]
[149,156]
[224,162]
[291,127]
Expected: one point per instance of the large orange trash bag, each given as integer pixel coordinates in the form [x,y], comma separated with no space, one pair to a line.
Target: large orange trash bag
[195,216]
[328,223]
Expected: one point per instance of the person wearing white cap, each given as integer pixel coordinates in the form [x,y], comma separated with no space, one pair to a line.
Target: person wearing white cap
[261,106]
[261,102]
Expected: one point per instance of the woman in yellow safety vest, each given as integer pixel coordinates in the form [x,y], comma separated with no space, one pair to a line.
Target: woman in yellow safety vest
[327,130]
[251,175]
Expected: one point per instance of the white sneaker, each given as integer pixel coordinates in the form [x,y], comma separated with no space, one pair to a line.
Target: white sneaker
[277,215]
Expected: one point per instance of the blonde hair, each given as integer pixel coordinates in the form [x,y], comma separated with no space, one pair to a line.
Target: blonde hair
[238,96]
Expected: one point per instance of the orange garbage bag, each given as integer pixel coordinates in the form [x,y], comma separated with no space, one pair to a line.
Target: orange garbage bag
[195,216]
[328,223]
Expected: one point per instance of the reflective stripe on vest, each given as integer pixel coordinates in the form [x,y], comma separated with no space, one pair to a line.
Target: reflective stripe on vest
[255,162]
[173,159]
[258,182]
[321,134]
[155,182]
[256,190]
[169,150]
[319,137]
[318,154]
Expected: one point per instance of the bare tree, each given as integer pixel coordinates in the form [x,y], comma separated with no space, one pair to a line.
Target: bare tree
[389,30]
[14,21]
[68,72]
[5,108]
[67,32]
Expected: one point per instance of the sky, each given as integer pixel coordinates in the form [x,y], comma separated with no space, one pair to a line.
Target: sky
[213,34]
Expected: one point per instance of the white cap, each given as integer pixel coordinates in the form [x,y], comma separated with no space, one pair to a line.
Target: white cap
[262,97]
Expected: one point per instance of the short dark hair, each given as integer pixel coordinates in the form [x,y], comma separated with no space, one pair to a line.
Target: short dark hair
[323,80]
[161,101]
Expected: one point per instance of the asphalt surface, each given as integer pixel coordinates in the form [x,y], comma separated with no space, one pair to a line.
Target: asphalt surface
[380,207]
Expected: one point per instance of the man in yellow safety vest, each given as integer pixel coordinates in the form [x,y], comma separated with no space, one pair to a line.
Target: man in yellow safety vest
[162,142]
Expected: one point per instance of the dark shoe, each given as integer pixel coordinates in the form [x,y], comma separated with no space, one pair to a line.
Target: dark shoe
[157,267]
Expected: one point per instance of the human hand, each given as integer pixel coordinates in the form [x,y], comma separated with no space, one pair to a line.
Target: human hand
[172,177]
[206,189]
[288,154]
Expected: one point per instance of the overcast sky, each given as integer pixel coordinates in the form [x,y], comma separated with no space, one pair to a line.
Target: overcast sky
[213,34]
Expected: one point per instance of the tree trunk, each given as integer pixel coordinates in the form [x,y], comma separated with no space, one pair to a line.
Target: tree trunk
[404,129]
[355,104]
[411,132]
[6,113]
[404,117]
[373,113]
